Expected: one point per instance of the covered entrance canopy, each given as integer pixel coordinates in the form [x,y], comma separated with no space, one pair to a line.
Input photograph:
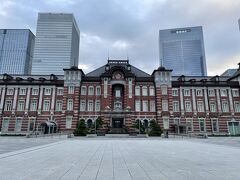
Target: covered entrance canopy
[48,127]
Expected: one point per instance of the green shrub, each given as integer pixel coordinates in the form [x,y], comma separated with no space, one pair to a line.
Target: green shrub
[155,129]
[81,129]
[142,128]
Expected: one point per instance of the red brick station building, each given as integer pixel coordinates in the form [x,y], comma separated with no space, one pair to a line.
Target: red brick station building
[120,94]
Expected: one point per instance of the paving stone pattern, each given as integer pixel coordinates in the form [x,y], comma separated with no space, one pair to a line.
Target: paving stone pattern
[123,159]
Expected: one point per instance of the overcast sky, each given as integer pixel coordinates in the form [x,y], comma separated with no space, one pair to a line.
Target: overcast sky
[130,27]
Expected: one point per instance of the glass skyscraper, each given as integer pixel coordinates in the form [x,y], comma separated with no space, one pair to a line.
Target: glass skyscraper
[182,50]
[16,51]
[57,43]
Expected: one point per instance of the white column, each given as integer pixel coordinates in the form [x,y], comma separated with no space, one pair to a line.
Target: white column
[230,100]
[105,88]
[130,88]
[28,97]
[15,98]
[2,98]
[206,99]
[194,101]
[53,99]
[40,99]
[218,100]
[181,100]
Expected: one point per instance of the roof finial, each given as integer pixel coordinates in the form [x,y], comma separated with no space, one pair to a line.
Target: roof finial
[161,63]
[127,56]
[108,53]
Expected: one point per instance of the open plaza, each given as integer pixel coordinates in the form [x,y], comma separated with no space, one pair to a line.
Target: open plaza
[104,158]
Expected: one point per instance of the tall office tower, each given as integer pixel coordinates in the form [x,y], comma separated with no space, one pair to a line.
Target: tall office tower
[239,23]
[57,43]
[182,50]
[16,51]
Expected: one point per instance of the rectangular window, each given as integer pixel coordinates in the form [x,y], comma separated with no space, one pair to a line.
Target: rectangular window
[213,107]
[34,91]
[235,93]
[60,91]
[117,93]
[137,91]
[188,107]
[177,121]
[18,124]
[5,124]
[189,123]
[46,105]
[98,90]
[33,105]
[97,105]
[152,106]
[223,92]
[22,91]
[68,122]
[175,92]
[90,105]
[47,91]
[145,106]
[202,126]
[144,91]
[71,89]
[237,106]
[83,105]
[215,127]
[31,124]
[20,105]
[8,105]
[211,92]
[175,106]
[199,92]
[70,104]
[151,91]
[83,90]
[165,105]
[164,90]
[90,90]
[200,106]
[10,91]
[137,105]
[165,123]
[186,92]
[225,107]
[59,105]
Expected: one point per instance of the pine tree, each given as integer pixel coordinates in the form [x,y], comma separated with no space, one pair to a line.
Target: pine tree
[81,129]
[155,129]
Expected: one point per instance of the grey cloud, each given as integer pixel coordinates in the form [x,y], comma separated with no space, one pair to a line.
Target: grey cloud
[105,24]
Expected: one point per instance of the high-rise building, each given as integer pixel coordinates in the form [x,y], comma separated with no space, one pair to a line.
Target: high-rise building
[57,43]
[16,51]
[182,50]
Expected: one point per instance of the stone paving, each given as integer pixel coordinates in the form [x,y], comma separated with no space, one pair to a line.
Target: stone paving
[123,159]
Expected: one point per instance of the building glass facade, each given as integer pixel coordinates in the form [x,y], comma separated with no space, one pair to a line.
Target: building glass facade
[16,51]
[183,51]
[57,43]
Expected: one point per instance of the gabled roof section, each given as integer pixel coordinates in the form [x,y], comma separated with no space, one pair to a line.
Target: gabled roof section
[117,63]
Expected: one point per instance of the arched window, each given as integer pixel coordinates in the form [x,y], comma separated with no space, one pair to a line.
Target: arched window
[89,123]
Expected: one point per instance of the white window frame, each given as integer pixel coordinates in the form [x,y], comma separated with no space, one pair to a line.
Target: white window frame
[20,105]
[211,92]
[164,105]
[18,127]
[165,123]
[70,104]
[189,121]
[97,105]
[98,90]
[60,91]
[204,121]
[84,90]
[145,105]
[8,105]
[151,91]
[186,107]
[212,120]
[186,92]
[22,91]
[175,108]
[235,92]
[46,106]
[47,91]
[137,105]
[33,106]
[59,105]
[200,106]
[90,90]
[211,107]
[83,105]
[174,92]
[35,91]
[90,108]
[5,127]
[152,106]
[137,91]
[199,92]
[237,106]
[225,106]
[223,92]
[69,122]
[71,89]
[31,119]
[144,91]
